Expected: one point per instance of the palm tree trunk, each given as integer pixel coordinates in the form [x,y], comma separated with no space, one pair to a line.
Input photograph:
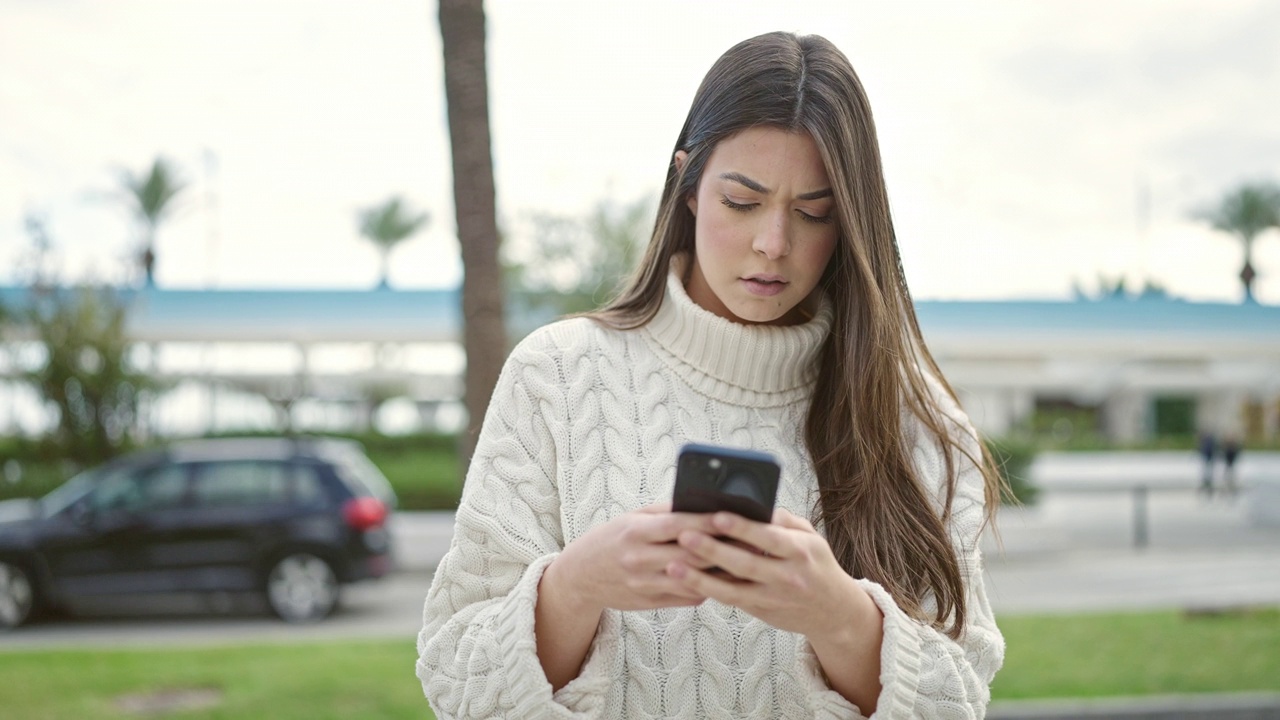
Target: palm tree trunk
[148,258]
[1247,273]
[462,29]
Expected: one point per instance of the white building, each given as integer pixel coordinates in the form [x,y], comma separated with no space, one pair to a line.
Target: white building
[1131,363]
[1123,357]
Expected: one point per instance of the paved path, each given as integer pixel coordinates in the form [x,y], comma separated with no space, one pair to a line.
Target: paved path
[1075,549]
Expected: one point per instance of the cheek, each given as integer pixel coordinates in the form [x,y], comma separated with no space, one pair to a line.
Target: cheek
[714,236]
[820,252]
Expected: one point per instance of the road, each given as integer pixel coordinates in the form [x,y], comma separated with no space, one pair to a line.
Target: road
[388,608]
[1071,552]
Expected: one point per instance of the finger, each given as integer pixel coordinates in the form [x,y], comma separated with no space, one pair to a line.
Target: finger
[666,527]
[662,587]
[786,518]
[717,586]
[742,562]
[679,601]
[654,557]
[770,539]
[662,507]
[646,584]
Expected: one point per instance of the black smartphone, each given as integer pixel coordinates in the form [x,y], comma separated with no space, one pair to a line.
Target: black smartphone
[710,479]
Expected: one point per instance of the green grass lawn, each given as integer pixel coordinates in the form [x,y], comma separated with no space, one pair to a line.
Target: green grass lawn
[1048,657]
[339,680]
[1139,654]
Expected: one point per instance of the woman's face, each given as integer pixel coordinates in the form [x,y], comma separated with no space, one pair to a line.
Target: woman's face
[765,227]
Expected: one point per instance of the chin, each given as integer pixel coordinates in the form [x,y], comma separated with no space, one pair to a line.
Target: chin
[759,315]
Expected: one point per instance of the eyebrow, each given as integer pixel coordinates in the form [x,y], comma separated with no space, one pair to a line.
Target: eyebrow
[753,185]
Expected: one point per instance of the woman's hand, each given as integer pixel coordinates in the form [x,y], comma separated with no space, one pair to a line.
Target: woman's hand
[783,573]
[622,564]
[788,577]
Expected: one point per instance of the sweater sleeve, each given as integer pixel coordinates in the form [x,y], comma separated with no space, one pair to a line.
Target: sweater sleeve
[923,671]
[477,656]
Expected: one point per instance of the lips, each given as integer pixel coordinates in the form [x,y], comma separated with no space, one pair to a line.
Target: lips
[764,285]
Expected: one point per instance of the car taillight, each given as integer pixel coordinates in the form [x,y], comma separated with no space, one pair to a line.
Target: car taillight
[364,513]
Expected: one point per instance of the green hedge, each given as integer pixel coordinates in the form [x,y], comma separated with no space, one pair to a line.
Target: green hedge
[1013,457]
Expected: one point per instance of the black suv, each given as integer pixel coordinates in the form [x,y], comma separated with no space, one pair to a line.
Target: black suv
[289,518]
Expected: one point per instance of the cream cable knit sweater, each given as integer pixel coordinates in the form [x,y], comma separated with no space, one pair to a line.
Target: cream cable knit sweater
[584,425]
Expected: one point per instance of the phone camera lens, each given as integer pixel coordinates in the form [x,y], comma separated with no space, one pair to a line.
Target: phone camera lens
[742,484]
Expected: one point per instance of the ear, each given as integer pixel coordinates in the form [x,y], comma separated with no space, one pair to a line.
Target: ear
[692,201]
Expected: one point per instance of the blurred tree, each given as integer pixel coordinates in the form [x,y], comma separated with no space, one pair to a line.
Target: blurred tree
[38,264]
[86,375]
[484,334]
[1246,212]
[578,264]
[150,196]
[387,225]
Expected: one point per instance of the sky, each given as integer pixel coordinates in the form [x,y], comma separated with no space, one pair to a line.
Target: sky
[1028,147]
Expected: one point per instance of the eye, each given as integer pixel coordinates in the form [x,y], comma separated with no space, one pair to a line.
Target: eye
[741,207]
[823,220]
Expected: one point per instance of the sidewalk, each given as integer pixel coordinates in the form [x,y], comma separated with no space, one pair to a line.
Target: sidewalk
[1076,550]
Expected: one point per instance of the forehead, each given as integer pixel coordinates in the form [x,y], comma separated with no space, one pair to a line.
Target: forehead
[776,158]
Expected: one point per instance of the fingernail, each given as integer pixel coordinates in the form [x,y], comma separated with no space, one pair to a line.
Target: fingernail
[723,520]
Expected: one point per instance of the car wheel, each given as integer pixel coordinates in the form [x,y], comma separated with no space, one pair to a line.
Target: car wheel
[302,588]
[16,596]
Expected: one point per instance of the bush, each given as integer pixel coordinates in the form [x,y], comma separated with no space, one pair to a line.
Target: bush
[1013,458]
[86,374]
[31,468]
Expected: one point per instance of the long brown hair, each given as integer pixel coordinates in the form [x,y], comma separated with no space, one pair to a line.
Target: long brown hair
[874,508]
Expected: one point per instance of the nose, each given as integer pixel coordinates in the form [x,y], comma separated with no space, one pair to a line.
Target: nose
[774,238]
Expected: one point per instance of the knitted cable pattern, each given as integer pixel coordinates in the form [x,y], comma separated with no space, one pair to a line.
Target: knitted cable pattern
[584,425]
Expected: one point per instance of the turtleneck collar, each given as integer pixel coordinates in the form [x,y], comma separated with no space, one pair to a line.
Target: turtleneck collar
[720,356]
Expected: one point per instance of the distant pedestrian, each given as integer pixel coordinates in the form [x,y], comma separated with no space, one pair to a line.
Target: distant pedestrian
[1208,446]
[1230,452]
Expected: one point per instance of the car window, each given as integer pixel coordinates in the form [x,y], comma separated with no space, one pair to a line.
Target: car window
[117,491]
[240,483]
[362,476]
[69,492]
[165,488]
[308,488]
[141,490]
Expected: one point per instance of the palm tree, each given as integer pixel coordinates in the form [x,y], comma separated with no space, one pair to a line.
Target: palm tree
[151,200]
[1246,212]
[388,224]
[484,334]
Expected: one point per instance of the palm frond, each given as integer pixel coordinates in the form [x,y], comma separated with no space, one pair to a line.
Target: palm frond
[391,222]
[1246,211]
[153,192]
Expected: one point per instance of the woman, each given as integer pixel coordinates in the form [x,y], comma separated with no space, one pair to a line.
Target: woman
[770,312]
